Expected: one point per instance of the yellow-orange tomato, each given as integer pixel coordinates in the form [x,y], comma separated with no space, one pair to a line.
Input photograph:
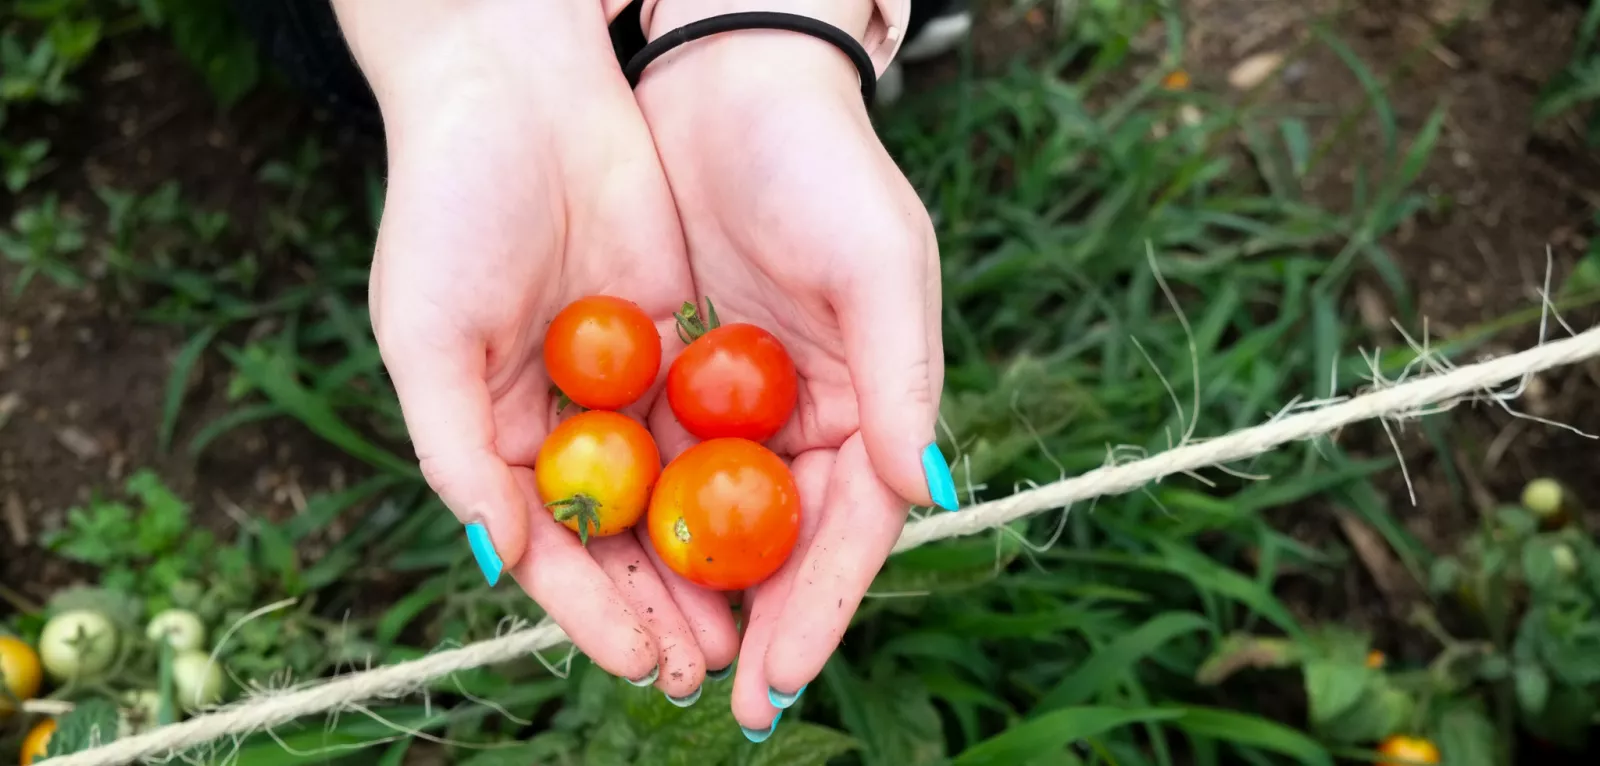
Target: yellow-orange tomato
[725,514]
[1400,750]
[595,473]
[37,743]
[20,671]
[1376,660]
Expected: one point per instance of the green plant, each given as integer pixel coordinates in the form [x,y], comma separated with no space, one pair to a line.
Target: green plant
[1577,86]
[42,240]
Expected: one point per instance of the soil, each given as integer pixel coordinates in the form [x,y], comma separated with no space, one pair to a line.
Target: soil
[83,385]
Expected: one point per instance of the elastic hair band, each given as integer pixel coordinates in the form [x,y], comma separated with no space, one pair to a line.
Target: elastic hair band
[733,22]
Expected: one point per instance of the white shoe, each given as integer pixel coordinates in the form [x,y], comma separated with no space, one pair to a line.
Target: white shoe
[940,35]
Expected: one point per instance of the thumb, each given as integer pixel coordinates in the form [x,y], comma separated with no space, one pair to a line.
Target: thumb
[890,319]
[445,402]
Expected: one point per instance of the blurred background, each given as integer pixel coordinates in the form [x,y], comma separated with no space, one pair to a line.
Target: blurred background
[193,415]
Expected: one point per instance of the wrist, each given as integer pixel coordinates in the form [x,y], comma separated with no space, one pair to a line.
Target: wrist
[417,53]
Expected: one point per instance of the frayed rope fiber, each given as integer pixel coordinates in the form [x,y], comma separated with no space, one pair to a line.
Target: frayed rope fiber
[1408,397]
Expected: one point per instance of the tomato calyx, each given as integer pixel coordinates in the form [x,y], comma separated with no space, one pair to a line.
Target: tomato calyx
[581,507]
[562,400]
[690,323]
[680,530]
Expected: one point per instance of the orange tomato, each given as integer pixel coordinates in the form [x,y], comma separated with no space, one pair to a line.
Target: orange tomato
[602,352]
[735,380]
[725,514]
[1376,659]
[1400,750]
[37,743]
[595,472]
[19,671]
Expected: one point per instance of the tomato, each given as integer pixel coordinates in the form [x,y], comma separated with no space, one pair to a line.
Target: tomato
[141,710]
[37,744]
[603,353]
[19,671]
[1401,750]
[732,380]
[78,645]
[179,627]
[1376,660]
[595,472]
[725,514]
[196,680]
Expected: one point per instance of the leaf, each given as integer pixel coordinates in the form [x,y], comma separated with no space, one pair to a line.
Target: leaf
[1117,660]
[1048,735]
[797,744]
[1247,730]
[178,384]
[1333,687]
[91,723]
[1533,688]
[1466,737]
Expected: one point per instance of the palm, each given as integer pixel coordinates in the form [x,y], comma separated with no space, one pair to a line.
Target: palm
[487,233]
[811,232]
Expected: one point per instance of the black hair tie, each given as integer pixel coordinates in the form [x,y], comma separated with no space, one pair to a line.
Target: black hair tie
[733,22]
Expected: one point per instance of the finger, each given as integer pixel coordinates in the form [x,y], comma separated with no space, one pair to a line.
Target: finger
[559,574]
[895,355]
[445,403]
[861,518]
[680,667]
[707,612]
[752,701]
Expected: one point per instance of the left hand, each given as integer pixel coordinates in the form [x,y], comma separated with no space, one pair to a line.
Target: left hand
[798,220]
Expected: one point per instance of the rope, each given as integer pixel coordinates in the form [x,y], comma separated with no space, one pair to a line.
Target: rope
[1399,400]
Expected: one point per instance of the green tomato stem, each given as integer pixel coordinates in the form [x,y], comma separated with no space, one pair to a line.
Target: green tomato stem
[581,507]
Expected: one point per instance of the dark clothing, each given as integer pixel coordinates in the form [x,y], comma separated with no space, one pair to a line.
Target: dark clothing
[302,39]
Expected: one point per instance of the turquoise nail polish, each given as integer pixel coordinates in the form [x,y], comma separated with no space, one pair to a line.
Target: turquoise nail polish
[685,701]
[655,673]
[718,675]
[783,701]
[761,735]
[941,485]
[483,550]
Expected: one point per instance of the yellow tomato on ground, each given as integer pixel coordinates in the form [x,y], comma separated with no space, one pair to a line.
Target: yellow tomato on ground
[19,666]
[1400,750]
[595,472]
[37,743]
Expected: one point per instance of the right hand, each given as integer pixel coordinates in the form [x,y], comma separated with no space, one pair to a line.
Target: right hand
[521,177]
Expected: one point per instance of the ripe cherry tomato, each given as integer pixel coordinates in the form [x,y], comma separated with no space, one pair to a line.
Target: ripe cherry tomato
[595,472]
[602,352]
[37,744]
[725,514]
[20,672]
[1407,751]
[733,380]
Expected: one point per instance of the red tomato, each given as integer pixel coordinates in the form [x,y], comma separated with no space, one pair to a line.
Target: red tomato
[595,472]
[602,352]
[725,514]
[735,380]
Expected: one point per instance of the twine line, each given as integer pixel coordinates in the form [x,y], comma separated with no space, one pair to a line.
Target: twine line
[1400,399]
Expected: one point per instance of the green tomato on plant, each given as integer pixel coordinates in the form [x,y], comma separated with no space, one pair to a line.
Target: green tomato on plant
[78,645]
[196,679]
[180,628]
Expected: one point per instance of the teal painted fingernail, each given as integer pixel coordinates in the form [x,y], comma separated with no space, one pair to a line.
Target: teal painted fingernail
[685,701]
[483,550]
[783,701]
[718,675]
[655,673]
[941,485]
[761,735]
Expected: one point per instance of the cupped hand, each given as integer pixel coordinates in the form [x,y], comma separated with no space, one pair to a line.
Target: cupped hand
[511,194]
[797,220]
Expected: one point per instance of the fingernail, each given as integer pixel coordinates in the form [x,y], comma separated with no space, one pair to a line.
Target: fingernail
[718,675]
[783,701]
[655,673]
[761,735]
[941,485]
[688,700]
[483,550]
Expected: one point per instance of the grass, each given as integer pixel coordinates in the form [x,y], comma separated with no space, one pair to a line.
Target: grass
[1116,277]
